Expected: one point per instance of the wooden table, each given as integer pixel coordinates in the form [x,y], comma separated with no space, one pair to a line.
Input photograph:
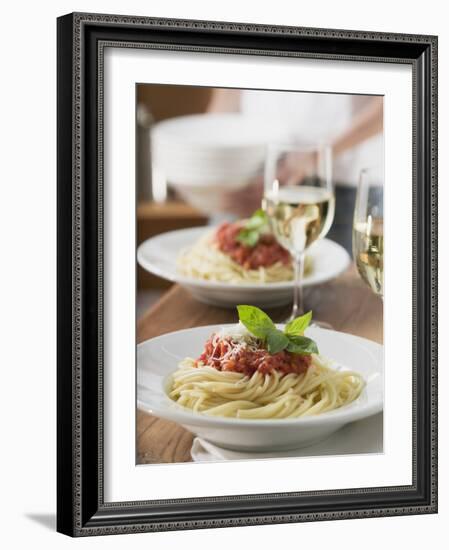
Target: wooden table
[346,303]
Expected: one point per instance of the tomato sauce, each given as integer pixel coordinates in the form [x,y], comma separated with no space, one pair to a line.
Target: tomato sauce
[225,355]
[264,254]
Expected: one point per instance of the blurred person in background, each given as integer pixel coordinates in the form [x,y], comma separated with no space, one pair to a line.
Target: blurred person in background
[351,124]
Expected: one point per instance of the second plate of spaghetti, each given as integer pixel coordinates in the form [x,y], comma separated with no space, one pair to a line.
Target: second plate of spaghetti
[186,256]
[244,392]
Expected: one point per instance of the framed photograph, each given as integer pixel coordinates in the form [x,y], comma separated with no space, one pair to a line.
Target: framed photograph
[237,343]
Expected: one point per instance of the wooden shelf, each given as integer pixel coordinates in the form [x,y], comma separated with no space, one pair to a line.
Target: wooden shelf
[156,218]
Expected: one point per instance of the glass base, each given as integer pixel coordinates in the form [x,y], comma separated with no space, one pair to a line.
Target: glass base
[320,324]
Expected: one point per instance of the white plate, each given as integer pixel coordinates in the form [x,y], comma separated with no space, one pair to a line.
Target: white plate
[199,154]
[158,255]
[362,437]
[215,132]
[158,358]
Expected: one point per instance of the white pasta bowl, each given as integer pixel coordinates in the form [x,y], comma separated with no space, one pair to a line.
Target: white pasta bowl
[158,358]
[159,254]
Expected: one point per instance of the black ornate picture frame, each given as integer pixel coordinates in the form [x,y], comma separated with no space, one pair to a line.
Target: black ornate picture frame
[81,510]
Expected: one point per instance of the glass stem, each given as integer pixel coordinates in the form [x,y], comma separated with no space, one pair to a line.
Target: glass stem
[298,308]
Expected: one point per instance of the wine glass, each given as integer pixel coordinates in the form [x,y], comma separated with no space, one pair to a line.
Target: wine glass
[368,229]
[299,201]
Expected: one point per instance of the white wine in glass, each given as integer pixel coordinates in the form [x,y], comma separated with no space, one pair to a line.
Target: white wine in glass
[300,215]
[300,202]
[368,231]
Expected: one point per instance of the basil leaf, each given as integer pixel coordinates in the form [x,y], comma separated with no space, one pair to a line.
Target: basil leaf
[256,321]
[276,341]
[248,238]
[297,326]
[250,234]
[257,220]
[301,345]
[261,326]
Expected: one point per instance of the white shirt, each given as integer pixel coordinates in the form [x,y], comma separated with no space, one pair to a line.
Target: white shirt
[318,117]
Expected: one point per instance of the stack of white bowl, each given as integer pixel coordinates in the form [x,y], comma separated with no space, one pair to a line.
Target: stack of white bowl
[203,156]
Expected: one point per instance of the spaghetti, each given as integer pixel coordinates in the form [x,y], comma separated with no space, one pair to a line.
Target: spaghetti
[237,377]
[204,260]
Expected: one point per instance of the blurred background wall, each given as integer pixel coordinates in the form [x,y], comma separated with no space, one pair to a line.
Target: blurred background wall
[157,102]
[167,101]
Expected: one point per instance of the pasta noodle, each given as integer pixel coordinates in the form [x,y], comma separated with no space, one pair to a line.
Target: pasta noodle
[205,261]
[319,389]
